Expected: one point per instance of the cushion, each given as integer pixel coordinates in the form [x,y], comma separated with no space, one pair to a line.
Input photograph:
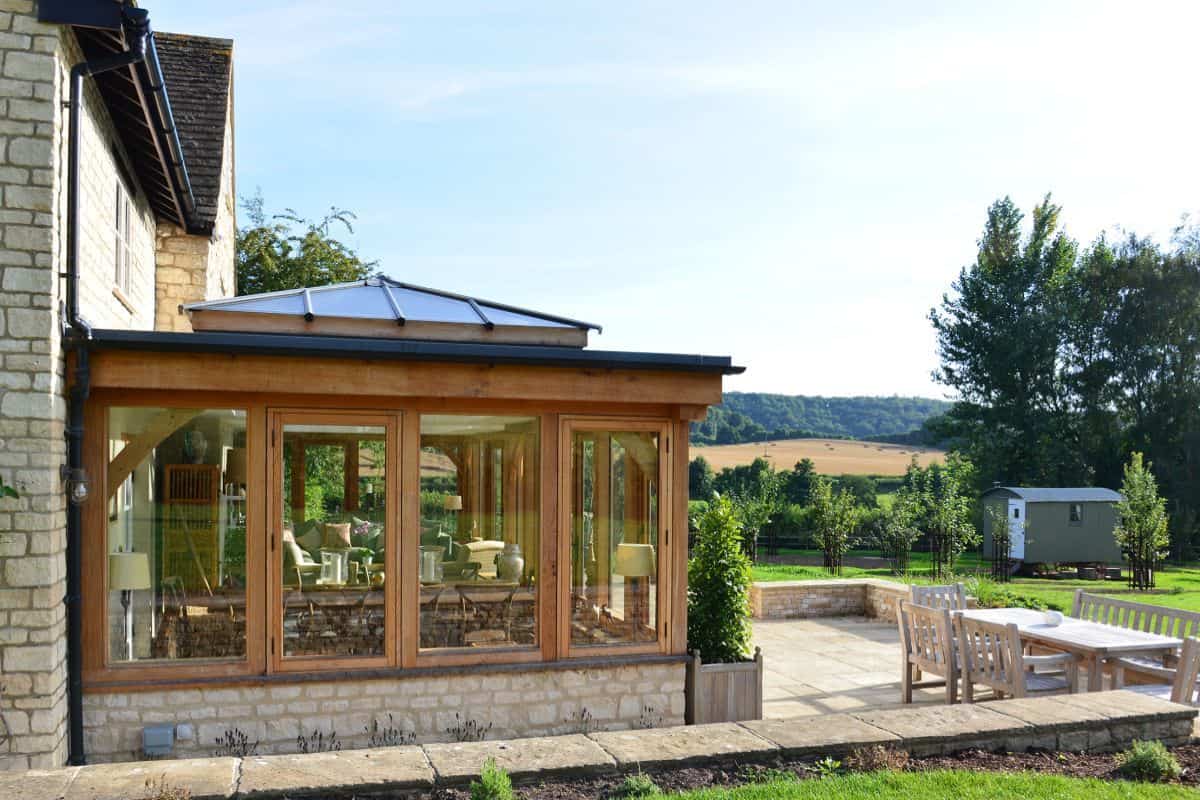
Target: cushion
[293,555]
[483,553]
[337,535]
[309,534]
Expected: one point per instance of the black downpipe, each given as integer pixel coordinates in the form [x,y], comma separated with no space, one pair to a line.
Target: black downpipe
[78,335]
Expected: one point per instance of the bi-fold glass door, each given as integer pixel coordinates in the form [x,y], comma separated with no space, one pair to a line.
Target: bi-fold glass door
[334,536]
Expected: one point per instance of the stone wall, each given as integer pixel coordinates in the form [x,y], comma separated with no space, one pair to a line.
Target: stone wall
[35,62]
[32,528]
[853,597]
[530,702]
[193,268]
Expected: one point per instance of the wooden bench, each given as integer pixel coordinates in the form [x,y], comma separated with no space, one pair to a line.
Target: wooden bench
[1139,617]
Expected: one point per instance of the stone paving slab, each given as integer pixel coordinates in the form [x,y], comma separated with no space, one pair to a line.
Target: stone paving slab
[37,784]
[203,777]
[828,733]
[1126,705]
[688,744]
[382,769]
[1047,717]
[927,724]
[545,756]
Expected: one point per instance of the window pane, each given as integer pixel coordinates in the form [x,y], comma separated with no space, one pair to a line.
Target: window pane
[479,543]
[614,537]
[176,534]
[334,539]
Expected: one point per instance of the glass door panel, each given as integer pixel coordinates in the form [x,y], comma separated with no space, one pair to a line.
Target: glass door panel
[334,537]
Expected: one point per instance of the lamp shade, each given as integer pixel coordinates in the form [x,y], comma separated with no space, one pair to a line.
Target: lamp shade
[635,560]
[453,502]
[235,466]
[128,571]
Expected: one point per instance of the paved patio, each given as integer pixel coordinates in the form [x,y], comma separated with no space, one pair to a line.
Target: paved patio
[830,665]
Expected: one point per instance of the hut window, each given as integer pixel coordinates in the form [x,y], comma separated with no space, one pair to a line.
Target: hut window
[615,537]
[479,544]
[176,539]
[1076,512]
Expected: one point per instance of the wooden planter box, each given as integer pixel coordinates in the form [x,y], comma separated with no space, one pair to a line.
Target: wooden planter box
[724,692]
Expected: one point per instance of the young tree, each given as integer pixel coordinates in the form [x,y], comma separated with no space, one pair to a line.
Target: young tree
[996,518]
[899,530]
[756,503]
[1141,523]
[719,587]
[945,509]
[834,518]
[271,255]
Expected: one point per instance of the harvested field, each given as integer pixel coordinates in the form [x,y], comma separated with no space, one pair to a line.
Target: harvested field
[832,456]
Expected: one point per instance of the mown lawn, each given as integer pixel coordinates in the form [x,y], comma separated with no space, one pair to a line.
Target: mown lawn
[1178,587]
[939,785]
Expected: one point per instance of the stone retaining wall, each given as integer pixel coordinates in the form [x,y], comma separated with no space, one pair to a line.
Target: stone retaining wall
[531,702]
[868,597]
[1099,722]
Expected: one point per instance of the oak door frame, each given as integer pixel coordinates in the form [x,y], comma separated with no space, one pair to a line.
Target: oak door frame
[568,426]
[391,421]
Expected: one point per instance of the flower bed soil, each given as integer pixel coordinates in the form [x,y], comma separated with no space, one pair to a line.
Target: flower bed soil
[1077,765]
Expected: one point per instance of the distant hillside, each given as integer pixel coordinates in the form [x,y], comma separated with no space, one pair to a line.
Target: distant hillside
[755,417]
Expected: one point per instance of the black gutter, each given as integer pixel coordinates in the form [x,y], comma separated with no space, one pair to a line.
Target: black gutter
[78,338]
[350,347]
[168,136]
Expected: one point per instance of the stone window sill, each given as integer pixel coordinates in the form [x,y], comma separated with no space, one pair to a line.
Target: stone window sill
[124,300]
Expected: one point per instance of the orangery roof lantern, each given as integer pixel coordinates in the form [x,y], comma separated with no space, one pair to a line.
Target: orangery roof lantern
[380,307]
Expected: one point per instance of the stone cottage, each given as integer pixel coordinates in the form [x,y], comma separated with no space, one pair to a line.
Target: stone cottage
[373,508]
[155,203]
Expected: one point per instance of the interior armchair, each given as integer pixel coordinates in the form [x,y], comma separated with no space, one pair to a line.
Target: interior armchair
[299,568]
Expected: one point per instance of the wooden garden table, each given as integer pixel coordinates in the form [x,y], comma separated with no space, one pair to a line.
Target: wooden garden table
[1095,642]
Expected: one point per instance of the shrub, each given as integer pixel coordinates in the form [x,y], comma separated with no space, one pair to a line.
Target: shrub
[993,595]
[877,758]
[493,783]
[637,785]
[160,789]
[719,587]
[1148,761]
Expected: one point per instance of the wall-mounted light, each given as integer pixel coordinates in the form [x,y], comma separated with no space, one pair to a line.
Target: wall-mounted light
[75,481]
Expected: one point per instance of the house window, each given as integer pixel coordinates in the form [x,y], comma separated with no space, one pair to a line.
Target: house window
[1076,512]
[123,250]
[176,547]
[1016,513]
[477,556]
[616,536]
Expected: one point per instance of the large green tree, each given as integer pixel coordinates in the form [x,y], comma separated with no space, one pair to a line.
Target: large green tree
[287,251]
[1000,336]
[1067,360]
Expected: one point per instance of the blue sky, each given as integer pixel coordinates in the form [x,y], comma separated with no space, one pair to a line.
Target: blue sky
[793,184]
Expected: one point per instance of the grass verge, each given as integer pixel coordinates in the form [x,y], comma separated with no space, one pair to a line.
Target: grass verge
[940,784]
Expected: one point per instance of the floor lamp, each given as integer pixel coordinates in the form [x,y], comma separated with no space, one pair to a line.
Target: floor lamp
[128,572]
[636,561]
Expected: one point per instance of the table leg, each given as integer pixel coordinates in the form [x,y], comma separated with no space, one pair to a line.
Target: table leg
[1095,682]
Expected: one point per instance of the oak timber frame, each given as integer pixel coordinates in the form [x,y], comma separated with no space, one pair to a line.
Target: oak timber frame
[395,394]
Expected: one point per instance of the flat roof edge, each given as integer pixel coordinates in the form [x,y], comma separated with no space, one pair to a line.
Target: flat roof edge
[403,350]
